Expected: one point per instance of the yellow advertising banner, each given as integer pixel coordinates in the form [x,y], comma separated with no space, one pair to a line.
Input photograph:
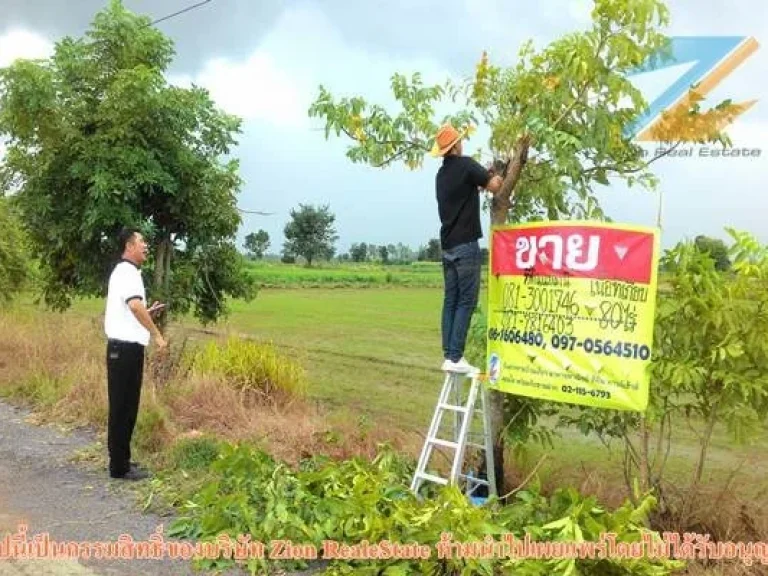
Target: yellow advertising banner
[571,309]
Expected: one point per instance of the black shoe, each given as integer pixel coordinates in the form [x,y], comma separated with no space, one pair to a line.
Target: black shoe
[132,474]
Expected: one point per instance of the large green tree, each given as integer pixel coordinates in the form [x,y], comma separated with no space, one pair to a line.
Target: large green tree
[311,233]
[98,140]
[559,123]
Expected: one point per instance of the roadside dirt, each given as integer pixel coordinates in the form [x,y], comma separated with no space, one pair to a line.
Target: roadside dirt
[43,489]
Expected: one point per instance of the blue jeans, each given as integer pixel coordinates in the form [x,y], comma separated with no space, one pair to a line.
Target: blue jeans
[461,272]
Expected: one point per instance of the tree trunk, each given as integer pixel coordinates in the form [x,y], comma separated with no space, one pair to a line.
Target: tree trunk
[645,466]
[162,277]
[706,439]
[500,206]
[159,268]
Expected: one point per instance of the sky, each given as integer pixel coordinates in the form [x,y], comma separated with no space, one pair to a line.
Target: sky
[264,61]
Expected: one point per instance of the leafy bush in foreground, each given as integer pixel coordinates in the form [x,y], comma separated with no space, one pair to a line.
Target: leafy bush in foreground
[333,508]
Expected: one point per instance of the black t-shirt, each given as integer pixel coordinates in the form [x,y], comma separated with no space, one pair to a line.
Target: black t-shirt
[458,200]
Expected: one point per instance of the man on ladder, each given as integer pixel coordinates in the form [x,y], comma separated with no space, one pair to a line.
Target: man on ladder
[457,186]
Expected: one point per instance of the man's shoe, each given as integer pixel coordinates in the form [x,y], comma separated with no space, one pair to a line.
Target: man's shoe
[132,474]
[461,367]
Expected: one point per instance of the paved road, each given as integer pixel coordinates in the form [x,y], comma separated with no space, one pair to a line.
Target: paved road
[41,487]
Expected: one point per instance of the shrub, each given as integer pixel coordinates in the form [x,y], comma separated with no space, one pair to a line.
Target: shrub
[358,501]
[194,453]
[153,428]
[253,368]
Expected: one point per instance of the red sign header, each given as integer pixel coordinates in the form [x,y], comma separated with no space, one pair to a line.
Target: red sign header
[580,251]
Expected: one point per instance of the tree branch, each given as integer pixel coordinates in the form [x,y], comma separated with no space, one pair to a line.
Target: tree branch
[408,143]
[618,168]
[527,479]
[401,153]
[580,94]
[501,202]
[404,145]
[611,167]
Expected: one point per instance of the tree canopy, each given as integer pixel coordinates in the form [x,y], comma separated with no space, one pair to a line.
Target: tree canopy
[311,233]
[256,243]
[716,249]
[14,265]
[566,111]
[98,140]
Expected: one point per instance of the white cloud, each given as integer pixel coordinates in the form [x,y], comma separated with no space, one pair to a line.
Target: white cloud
[581,11]
[20,43]
[255,89]
[279,80]
[746,132]
[487,17]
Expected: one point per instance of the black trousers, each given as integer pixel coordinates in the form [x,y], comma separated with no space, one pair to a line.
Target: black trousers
[125,371]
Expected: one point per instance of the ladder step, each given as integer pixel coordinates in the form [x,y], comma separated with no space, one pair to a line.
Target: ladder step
[475,480]
[444,443]
[432,478]
[453,407]
[465,434]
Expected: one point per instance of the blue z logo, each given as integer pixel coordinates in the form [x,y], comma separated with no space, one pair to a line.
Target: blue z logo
[715,58]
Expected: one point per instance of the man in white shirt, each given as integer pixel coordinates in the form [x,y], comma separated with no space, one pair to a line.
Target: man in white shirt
[128,325]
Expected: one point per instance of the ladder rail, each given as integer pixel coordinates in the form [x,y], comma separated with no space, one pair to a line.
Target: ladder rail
[458,461]
[434,426]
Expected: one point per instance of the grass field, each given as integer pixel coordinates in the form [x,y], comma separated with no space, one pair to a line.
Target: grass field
[378,351]
[270,274]
[373,350]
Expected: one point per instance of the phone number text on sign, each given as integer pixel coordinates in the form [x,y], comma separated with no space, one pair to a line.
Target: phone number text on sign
[571,309]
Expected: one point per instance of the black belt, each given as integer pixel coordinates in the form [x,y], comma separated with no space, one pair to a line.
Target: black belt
[123,342]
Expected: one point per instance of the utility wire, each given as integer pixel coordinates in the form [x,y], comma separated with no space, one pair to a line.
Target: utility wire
[187,9]
[257,212]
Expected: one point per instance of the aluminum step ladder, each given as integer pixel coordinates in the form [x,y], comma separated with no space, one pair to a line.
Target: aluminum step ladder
[462,436]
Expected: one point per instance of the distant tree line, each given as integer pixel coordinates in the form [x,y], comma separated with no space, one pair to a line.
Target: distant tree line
[392,253]
[310,234]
